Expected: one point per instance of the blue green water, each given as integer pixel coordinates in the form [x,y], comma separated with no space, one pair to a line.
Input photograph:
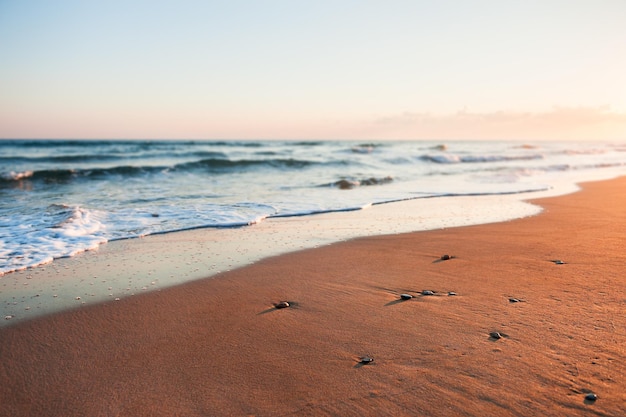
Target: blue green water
[58,198]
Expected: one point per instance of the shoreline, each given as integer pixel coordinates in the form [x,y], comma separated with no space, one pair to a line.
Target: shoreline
[127,267]
[218,346]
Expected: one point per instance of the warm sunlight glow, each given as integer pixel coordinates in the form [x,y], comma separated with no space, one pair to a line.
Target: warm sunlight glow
[259,70]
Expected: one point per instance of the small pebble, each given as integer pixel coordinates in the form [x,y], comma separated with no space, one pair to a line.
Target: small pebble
[591,397]
[406,296]
[495,335]
[366,359]
[428,292]
[559,262]
[8,317]
[451,293]
[445,257]
[77,298]
[282,304]
[514,300]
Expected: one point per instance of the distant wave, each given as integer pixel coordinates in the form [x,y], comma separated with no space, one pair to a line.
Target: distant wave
[308,143]
[60,158]
[91,143]
[57,143]
[15,176]
[212,165]
[348,184]
[457,159]
[66,175]
[364,148]
[220,164]
[108,157]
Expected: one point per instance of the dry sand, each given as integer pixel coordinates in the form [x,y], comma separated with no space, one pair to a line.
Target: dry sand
[218,347]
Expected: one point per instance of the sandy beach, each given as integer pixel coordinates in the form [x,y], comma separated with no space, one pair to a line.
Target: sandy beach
[500,329]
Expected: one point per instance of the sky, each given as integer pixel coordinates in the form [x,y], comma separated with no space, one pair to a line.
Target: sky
[324,69]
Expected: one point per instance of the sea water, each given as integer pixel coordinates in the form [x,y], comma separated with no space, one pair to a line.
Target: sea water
[62,197]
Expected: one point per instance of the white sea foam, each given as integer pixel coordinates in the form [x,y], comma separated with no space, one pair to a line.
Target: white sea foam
[16,176]
[64,231]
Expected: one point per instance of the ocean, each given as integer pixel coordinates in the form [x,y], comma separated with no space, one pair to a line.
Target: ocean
[62,197]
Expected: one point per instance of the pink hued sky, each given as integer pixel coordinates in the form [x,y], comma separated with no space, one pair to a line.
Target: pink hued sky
[476,69]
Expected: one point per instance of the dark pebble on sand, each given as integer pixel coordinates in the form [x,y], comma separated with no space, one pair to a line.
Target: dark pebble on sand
[495,335]
[514,300]
[451,293]
[591,397]
[445,257]
[366,359]
[282,304]
[559,262]
[428,292]
[406,296]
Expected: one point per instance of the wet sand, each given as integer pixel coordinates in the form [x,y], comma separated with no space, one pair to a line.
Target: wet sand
[125,268]
[219,347]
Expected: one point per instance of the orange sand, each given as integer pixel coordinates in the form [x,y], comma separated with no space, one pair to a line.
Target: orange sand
[217,346]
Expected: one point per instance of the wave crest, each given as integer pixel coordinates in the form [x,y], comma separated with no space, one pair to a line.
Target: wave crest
[472,159]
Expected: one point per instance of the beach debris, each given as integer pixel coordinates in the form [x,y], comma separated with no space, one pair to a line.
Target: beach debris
[428,292]
[345,184]
[495,335]
[282,304]
[406,296]
[558,262]
[591,397]
[366,360]
[451,293]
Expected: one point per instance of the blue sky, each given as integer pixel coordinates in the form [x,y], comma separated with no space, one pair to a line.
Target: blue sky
[473,69]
